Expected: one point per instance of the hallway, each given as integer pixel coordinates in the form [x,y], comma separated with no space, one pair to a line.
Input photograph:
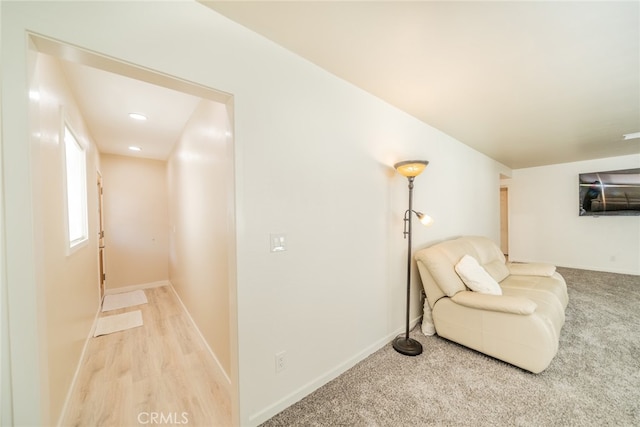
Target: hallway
[157,374]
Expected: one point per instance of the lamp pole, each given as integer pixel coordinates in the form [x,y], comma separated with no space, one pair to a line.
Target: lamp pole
[406,345]
[409,169]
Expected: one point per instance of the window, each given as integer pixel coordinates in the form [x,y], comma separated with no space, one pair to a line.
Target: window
[76,167]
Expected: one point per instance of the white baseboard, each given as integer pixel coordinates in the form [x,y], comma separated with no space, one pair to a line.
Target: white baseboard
[615,270]
[130,288]
[297,395]
[227,381]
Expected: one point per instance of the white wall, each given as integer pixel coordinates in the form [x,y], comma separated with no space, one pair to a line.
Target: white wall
[313,160]
[68,282]
[544,224]
[200,178]
[136,221]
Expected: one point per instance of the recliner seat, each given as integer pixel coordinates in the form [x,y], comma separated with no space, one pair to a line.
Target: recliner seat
[521,326]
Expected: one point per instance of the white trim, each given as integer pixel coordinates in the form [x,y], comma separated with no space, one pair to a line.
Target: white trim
[227,383]
[130,288]
[297,395]
[579,266]
[6,398]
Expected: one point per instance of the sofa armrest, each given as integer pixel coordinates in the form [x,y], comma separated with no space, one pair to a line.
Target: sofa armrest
[502,303]
[531,269]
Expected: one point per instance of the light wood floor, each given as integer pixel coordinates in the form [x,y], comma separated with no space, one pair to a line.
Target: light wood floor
[158,374]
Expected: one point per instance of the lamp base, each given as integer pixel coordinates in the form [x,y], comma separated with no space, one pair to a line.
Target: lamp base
[407,346]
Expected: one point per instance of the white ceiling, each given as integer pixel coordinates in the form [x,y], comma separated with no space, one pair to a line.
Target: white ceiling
[107,98]
[527,83]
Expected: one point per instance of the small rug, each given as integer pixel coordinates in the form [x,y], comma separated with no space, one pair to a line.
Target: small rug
[123,300]
[119,322]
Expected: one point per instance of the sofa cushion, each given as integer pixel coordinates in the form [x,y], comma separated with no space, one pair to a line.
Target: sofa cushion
[439,261]
[501,303]
[475,277]
[489,256]
[497,269]
[553,284]
[548,307]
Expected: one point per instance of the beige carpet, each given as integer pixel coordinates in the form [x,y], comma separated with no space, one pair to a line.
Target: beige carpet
[118,322]
[594,379]
[123,300]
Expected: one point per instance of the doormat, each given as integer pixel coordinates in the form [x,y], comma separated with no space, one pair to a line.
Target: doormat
[123,300]
[119,322]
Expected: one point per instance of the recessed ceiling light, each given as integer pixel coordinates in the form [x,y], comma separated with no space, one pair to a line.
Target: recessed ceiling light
[135,148]
[631,135]
[137,116]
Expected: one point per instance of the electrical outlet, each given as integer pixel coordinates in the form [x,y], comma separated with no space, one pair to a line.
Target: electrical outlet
[281,361]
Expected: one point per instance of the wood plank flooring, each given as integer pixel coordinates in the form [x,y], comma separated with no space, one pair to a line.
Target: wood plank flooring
[160,374]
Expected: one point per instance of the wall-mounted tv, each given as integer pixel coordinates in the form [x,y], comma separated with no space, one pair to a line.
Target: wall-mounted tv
[610,193]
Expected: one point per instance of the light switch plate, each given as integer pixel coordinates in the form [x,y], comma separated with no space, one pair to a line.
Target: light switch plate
[278,242]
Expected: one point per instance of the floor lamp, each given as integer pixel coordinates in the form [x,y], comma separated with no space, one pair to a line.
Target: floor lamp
[410,168]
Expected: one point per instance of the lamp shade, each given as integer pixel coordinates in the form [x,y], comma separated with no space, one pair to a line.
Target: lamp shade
[411,168]
[424,218]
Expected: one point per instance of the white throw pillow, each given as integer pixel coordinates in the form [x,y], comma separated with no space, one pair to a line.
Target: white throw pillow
[476,277]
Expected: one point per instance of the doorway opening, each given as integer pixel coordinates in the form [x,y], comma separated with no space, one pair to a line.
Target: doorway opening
[188,179]
[504,221]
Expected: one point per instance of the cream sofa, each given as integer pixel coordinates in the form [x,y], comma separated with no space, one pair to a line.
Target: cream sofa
[521,326]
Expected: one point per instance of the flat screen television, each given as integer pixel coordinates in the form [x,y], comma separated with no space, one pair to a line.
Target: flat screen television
[610,193]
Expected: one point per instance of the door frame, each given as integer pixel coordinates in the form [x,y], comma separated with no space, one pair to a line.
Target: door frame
[101,246]
[39,43]
[504,220]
